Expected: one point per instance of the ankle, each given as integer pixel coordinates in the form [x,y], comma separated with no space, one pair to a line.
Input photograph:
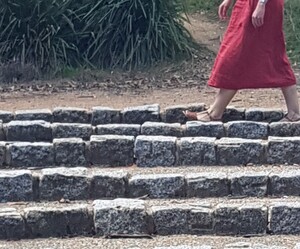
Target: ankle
[214,114]
[293,116]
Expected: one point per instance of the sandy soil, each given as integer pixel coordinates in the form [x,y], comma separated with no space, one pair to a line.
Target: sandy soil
[168,97]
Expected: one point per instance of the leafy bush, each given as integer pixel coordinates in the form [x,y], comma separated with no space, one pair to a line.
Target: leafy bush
[130,33]
[99,33]
[205,5]
[37,32]
[292,29]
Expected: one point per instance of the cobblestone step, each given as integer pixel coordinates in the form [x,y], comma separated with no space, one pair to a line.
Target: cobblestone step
[42,131]
[135,115]
[150,151]
[237,217]
[80,183]
[63,169]
[158,242]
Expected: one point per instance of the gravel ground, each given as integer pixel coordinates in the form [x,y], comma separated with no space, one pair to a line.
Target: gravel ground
[134,170]
[196,202]
[216,242]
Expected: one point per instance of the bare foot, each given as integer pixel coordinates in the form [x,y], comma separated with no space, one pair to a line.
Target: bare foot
[200,116]
[290,118]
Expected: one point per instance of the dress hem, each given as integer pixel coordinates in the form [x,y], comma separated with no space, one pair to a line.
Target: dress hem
[253,87]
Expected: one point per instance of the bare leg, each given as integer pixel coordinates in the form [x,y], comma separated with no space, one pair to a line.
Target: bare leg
[222,99]
[216,110]
[291,98]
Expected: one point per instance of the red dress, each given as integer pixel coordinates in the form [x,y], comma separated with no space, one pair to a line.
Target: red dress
[253,57]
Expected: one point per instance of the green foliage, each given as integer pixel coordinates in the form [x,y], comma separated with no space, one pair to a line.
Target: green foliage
[130,33]
[36,31]
[292,29]
[203,5]
[98,33]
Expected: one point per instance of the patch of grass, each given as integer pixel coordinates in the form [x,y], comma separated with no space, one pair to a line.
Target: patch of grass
[202,5]
[292,29]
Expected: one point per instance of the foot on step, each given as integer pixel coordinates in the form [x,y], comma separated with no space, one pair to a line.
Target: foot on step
[204,116]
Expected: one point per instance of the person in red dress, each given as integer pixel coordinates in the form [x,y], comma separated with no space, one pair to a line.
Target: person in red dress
[252,55]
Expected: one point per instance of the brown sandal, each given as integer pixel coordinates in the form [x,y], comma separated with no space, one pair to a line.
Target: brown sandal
[287,119]
[200,116]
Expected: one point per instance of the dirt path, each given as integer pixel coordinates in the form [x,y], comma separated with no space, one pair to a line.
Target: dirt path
[206,31]
[169,97]
[181,85]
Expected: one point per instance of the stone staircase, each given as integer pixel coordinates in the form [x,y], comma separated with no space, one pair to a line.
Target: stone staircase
[143,171]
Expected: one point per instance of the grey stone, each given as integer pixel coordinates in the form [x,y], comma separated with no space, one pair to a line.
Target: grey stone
[119,129]
[284,218]
[197,151]
[152,151]
[184,247]
[59,221]
[248,245]
[31,131]
[109,184]
[239,151]
[71,115]
[264,114]
[64,130]
[285,183]
[249,184]
[6,116]
[253,219]
[204,185]
[162,129]
[2,153]
[283,150]
[235,219]
[16,185]
[247,129]
[12,224]
[105,115]
[297,246]
[141,114]
[182,219]
[174,114]
[24,154]
[37,114]
[67,183]
[157,185]
[227,219]
[231,114]
[200,219]
[169,220]
[239,245]
[70,151]
[2,134]
[285,129]
[112,150]
[204,129]
[120,216]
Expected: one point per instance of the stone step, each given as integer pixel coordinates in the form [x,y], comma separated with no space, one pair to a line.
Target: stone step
[160,242]
[150,151]
[42,131]
[80,183]
[135,115]
[235,217]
